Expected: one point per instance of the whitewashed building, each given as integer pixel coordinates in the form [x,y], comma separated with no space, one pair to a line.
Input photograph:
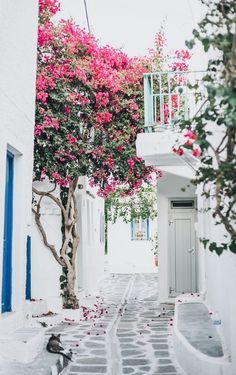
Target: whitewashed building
[200,282]
[18,46]
[129,252]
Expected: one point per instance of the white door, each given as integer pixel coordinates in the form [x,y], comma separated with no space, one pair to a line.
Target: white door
[182,252]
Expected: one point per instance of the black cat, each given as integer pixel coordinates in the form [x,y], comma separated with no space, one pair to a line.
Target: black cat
[54,345]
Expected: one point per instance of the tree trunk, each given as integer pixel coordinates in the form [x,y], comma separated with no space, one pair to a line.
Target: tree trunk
[71,300]
[66,255]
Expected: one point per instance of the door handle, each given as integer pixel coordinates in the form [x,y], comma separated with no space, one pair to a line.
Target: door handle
[191,251]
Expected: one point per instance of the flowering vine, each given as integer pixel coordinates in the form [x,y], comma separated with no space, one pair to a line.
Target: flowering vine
[89,109]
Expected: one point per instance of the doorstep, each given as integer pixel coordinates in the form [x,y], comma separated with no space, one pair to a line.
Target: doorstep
[44,364]
[24,351]
[22,345]
[197,343]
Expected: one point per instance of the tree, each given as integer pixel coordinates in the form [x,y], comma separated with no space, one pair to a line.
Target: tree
[88,112]
[140,205]
[217,32]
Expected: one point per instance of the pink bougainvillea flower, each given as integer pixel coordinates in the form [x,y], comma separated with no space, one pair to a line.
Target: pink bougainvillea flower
[71,139]
[190,134]
[131,163]
[188,142]
[179,151]
[196,152]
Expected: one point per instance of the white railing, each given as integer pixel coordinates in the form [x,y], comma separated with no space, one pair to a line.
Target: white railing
[171,96]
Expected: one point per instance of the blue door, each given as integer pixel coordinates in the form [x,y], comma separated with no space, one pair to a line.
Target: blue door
[28,269]
[7,239]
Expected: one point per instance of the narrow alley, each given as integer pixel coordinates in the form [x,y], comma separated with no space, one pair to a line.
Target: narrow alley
[125,332]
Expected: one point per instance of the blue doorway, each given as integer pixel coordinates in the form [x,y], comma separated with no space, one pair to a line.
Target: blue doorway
[28,269]
[7,237]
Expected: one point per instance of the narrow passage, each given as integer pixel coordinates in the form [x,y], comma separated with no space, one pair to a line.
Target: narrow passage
[125,331]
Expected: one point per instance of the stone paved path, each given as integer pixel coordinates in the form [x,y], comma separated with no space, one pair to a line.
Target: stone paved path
[125,332]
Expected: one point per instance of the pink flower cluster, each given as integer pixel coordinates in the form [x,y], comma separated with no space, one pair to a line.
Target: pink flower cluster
[44,34]
[182,62]
[102,99]
[64,182]
[189,143]
[49,122]
[109,162]
[82,100]
[42,96]
[51,6]
[183,54]
[131,163]
[71,139]
[103,118]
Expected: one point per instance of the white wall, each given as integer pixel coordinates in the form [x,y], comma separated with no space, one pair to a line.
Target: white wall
[91,247]
[169,186]
[18,41]
[126,255]
[218,277]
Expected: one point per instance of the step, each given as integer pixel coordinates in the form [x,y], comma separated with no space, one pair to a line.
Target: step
[22,345]
[38,307]
[197,342]
[196,326]
[44,364]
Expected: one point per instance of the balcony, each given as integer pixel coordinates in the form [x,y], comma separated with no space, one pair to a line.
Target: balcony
[168,98]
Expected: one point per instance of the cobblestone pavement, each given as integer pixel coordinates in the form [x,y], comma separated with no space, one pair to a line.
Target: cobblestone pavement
[126,331]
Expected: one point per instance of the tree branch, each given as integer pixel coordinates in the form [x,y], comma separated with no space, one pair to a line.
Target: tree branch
[44,237]
[54,199]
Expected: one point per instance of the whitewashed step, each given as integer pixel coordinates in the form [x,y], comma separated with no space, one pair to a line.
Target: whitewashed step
[23,345]
[38,307]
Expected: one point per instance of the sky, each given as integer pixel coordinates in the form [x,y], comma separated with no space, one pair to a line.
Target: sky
[132,24]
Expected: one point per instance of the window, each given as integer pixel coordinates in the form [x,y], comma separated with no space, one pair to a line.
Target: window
[182,203]
[140,229]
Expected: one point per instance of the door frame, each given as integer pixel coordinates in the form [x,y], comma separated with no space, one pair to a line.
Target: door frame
[6,300]
[181,212]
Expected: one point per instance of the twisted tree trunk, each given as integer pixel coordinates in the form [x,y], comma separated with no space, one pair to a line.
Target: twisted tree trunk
[66,255]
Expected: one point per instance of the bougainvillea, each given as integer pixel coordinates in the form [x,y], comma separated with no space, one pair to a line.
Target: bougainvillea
[88,111]
[89,108]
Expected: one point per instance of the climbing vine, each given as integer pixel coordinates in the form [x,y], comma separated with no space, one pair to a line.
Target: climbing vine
[213,128]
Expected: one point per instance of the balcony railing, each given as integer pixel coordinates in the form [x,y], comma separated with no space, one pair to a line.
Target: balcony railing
[169,97]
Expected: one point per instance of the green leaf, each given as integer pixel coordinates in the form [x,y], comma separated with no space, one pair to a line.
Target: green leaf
[190,43]
[206,44]
[232,101]
[232,247]
[204,242]
[62,278]
[195,33]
